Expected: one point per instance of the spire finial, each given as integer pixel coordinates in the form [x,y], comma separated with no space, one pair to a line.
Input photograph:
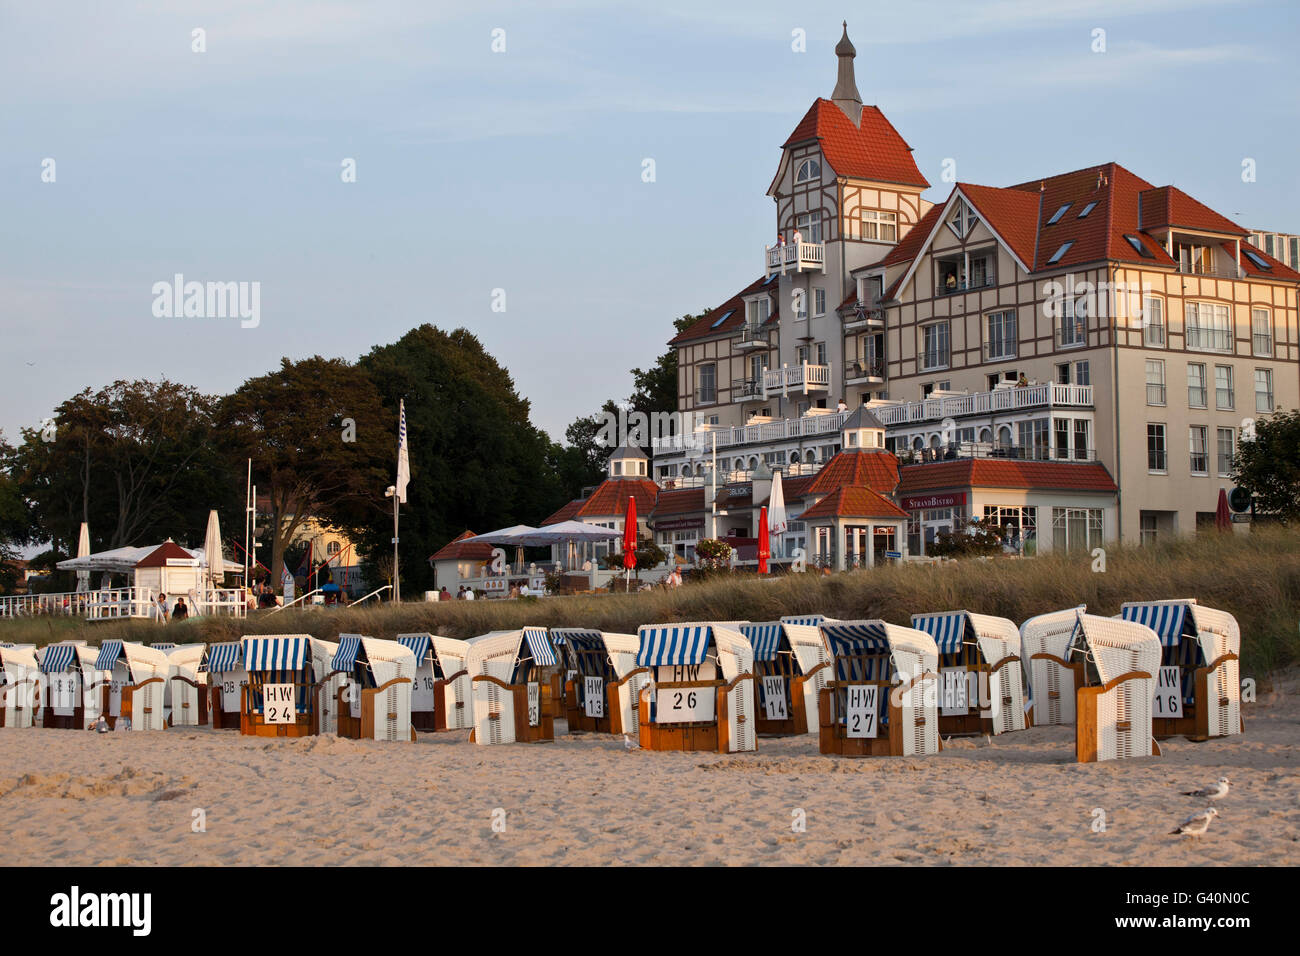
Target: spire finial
[846,95]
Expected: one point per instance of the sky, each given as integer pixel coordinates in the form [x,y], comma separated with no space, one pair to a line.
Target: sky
[521,169]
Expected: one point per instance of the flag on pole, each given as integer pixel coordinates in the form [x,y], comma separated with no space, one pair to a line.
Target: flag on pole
[403,462]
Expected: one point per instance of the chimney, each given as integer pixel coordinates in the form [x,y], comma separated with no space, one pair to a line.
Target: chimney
[846,95]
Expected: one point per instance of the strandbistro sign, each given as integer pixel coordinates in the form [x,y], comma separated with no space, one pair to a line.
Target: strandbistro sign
[679,524]
[931,502]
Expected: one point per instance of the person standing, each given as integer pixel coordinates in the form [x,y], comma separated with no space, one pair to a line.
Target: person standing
[180,612]
[163,608]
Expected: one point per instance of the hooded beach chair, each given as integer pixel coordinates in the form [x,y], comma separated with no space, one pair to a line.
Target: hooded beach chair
[72,688]
[227,679]
[375,702]
[456,693]
[280,697]
[1113,708]
[1198,692]
[981,679]
[325,686]
[702,693]
[440,694]
[515,684]
[791,666]
[882,699]
[137,685]
[20,683]
[602,681]
[1054,679]
[187,698]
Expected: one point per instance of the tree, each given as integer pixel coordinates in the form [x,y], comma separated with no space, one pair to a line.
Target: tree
[477,461]
[655,389]
[1268,465]
[322,446]
[16,521]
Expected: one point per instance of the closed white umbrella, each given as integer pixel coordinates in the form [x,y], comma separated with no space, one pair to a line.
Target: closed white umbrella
[83,551]
[776,519]
[216,562]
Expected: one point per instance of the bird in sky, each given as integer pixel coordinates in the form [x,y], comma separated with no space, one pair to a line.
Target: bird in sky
[1216,791]
[1197,823]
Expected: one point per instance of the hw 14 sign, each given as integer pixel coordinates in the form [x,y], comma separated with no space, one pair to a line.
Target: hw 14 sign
[774,698]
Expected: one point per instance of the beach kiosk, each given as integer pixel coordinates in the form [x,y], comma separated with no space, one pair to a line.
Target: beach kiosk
[440,694]
[1113,707]
[981,683]
[515,684]
[1198,689]
[702,694]
[226,682]
[187,697]
[280,697]
[1053,677]
[19,685]
[73,688]
[791,666]
[602,680]
[137,686]
[882,698]
[375,701]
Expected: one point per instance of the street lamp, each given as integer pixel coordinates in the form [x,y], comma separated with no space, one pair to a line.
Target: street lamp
[391,492]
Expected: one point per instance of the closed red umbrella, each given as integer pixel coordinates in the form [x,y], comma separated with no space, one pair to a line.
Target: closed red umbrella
[629,535]
[764,541]
[1222,517]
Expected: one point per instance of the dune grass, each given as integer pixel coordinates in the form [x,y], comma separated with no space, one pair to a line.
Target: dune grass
[1256,577]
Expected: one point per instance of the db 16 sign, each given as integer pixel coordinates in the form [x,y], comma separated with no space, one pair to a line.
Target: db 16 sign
[277,700]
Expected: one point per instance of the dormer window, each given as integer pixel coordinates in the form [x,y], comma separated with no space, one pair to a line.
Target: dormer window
[962,220]
[809,171]
[757,311]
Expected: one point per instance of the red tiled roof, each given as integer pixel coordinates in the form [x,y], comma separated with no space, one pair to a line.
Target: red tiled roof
[610,498]
[877,470]
[678,501]
[565,513]
[157,558]
[1012,213]
[853,501]
[797,487]
[1002,473]
[705,327]
[457,549]
[1170,206]
[873,150]
[1280,269]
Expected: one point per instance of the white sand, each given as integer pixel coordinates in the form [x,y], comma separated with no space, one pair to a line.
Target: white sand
[69,797]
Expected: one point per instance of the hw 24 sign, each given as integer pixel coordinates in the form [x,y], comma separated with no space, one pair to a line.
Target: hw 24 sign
[277,703]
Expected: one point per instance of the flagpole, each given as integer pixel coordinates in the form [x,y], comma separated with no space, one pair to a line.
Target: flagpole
[248,497]
[397,581]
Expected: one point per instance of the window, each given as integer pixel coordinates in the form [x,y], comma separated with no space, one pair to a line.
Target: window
[707,393]
[722,318]
[820,352]
[333,548]
[1082,373]
[1081,439]
[801,354]
[757,311]
[1207,327]
[1194,260]
[1056,256]
[1147,529]
[1258,260]
[1139,247]
[962,220]
[1261,333]
[1196,385]
[1076,528]
[809,169]
[1056,216]
[1001,338]
[1153,322]
[1062,438]
[1083,213]
[981,272]
[879,225]
[1200,454]
[1293,244]
[809,226]
[1227,440]
[1263,390]
[1018,524]
[1034,439]
[1223,391]
[1074,323]
[819,301]
[1155,382]
[1157,458]
[934,346]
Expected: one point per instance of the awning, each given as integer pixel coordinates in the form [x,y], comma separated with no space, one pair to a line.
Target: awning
[57,658]
[808,620]
[765,638]
[163,647]
[417,644]
[948,629]
[280,653]
[345,658]
[109,652]
[540,646]
[580,637]
[1167,620]
[850,642]
[225,657]
[673,646]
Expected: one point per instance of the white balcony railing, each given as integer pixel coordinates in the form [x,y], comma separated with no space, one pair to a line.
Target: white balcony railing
[795,257]
[983,403]
[803,377]
[753,434]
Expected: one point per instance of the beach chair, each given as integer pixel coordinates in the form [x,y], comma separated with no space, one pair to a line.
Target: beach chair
[791,666]
[602,682]
[1113,707]
[137,684]
[186,699]
[431,707]
[20,683]
[72,690]
[456,695]
[325,686]
[882,699]
[1198,689]
[227,679]
[808,620]
[702,693]
[375,702]
[515,684]
[1054,679]
[280,698]
[981,678]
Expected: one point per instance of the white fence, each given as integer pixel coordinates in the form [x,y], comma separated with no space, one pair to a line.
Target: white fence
[108,604]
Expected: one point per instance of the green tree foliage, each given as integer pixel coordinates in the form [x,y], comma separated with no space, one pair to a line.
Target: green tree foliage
[476,459]
[1268,466]
[978,537]
[322,445]
[16,520]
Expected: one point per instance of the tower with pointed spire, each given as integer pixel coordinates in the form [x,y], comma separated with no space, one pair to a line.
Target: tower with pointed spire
[846,95]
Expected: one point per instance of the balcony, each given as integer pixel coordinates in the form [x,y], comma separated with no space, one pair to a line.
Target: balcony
[806,378]
[1016,398]
[751,337]
[864,315]
[864,370]
[794,257]
[1208,338]
[747,390]
[956,288]
[827,423]
[984,449]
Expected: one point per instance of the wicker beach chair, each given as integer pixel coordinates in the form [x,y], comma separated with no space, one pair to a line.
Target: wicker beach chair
[514,679]
[280,699]
[1053,677]
[226,679]
[791,666]
[375,702]
[980,672]
[186,699]
[20,682]
[456,689]
[137,690]
[1113,711]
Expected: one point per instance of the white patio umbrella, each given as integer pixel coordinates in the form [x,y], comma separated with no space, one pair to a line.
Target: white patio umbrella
[566,532]
[776,519]
[212,555]
[83,551]
[502,535]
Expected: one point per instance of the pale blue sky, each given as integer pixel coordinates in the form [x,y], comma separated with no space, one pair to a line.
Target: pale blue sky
[522,170]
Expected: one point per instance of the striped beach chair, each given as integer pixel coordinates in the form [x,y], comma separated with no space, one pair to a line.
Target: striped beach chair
[1113,709]
[1199,688]
[515,684]
[19,685]
[882,699]
[981,680]
[791,666]
[137,686]
[602,682]
[280,697]
[72,690]
[375,702]
[226,680]
[1054,676]
[702,694]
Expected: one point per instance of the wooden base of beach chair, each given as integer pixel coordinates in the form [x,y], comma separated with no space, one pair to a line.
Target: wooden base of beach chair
[442,718]
[254,725]
[711,736]
[128,702]
[425,721]
[576,716]
[220,719]
[1195,722]
[797,722]
[1088,727]
[548,703]
[832,738]
[74,721]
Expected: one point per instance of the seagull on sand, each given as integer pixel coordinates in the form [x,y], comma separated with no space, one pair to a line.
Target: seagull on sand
[1197,823]
[1216,791]
[627,743]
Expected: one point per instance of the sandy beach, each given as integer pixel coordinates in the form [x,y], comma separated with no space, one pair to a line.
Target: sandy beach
[130,798]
